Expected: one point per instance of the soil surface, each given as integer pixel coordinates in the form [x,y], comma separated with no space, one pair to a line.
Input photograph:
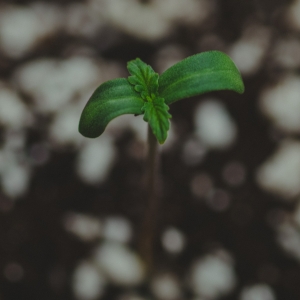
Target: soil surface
[238,217]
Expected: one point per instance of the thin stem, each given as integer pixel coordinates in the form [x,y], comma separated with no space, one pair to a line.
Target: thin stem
[149,224]
[152,165]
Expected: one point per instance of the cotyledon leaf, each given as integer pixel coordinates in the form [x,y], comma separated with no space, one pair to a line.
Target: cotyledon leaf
[111,99]
[198,74]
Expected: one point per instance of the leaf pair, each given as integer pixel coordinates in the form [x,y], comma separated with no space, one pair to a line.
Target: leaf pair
[145,92]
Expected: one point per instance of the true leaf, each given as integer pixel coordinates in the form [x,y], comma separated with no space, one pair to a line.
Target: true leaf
[156,114]
[198,74]
[144,79]
[110,100]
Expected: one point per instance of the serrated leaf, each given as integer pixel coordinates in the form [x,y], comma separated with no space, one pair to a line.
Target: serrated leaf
[144,79]
[198,74]
[156,114]
[110,100]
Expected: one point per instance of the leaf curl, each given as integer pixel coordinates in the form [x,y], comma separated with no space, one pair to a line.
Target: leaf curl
[111,99]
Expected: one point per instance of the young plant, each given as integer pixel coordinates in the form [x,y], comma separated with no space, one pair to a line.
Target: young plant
[149,94]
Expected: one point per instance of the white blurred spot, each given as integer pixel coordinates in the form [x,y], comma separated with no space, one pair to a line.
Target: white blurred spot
[22,28]
[95,159]
[281,103]
[250,50]
[214,126]
[293,14]
[139,126]
[117,229]
[64,127]
[53,83]
[13,272]
[15,169]
[15,178]
[134,18]
[289,238]
[81,19]
[85,227]
[88,282]
[184,11]
[280,174]
[173,240]
[119,264]
[247,56]
[166,287]
[14,142]
[257,292]
[153,20]
[212,277]
[13,112]
[171,139]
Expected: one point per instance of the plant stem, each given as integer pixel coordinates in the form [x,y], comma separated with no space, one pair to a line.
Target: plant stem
[149,223]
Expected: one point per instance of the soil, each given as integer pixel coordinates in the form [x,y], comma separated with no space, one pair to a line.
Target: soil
[31,229]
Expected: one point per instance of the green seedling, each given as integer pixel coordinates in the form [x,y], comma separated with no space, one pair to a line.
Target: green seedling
[146,93]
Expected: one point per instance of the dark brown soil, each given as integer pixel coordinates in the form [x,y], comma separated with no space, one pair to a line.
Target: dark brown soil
[32,233]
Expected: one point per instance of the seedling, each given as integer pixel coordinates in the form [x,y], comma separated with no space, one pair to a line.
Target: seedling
[149,94]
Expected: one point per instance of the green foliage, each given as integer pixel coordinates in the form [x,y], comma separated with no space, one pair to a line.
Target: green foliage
[111,99]
[156,114]
[145,92]
[144,79]
[145,82]
[198,74]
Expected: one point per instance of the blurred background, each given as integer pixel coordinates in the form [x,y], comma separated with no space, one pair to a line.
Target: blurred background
[228,226]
